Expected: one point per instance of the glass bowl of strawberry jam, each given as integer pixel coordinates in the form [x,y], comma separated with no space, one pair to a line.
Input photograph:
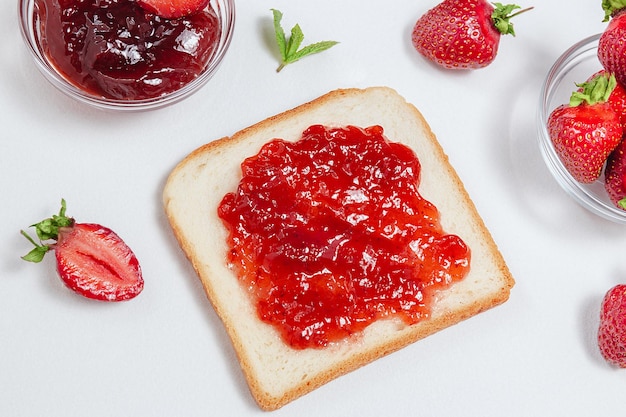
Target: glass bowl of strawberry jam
[576,65]
[118,54]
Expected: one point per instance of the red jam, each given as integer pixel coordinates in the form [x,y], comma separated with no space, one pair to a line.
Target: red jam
[330,234]
[117,50]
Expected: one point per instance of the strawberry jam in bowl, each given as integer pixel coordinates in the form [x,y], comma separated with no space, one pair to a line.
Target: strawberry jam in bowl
[575,66]
[127,54]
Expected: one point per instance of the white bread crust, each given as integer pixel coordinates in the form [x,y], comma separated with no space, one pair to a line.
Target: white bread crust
[276,373]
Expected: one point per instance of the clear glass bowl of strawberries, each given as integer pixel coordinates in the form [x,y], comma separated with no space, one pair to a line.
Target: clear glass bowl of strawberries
[582,122]
[127,54]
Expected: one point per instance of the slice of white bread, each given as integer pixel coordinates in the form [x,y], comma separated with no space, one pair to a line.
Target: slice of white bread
[276,373]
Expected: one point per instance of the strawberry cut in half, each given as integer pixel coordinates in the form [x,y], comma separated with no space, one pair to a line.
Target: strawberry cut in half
[91,259]
[173,9]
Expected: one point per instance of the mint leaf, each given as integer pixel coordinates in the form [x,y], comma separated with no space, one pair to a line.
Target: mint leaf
[290,49]
[295,40]
[280,34]
[312,49]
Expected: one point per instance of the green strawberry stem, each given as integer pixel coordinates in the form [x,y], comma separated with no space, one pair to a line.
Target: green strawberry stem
[596,90]
[47,229]
[502,14]
[611,7]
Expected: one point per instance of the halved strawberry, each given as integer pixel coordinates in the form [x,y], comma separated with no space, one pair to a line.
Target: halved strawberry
[91,259]
[173,9]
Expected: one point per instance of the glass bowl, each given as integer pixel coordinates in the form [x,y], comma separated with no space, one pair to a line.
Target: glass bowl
[576,65]
[30,26]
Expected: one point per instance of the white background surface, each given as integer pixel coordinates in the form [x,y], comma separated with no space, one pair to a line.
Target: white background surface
[166,353]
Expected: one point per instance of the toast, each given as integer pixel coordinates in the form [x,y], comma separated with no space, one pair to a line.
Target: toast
[276,373]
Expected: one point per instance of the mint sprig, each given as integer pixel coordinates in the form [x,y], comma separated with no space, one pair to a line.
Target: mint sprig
[290,48]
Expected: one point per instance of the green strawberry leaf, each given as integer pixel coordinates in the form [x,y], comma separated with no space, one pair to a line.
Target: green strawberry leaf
[38,252]
[502,14]
[47,229]
[611,7]
[596,90]
[290,49]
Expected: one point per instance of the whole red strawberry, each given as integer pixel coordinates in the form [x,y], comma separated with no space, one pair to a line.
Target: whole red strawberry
[615,176]
[611,45]
[584,133]
[172,9]
[612,330]
[463,34]
[91,259]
